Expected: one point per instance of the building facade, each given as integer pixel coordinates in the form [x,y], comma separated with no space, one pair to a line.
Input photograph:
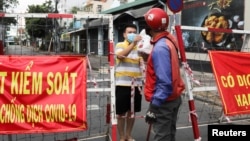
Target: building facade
[133,11]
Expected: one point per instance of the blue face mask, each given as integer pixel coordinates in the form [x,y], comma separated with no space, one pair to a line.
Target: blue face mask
[131,37]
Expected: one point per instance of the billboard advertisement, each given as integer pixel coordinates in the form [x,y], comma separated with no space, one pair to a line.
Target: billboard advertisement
[219,14]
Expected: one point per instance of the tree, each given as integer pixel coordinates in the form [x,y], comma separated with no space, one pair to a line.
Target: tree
[74,10]
[4,5]
[39,27]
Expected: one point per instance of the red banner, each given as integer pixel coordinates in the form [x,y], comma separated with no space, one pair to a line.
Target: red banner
[232,74]
[40,94]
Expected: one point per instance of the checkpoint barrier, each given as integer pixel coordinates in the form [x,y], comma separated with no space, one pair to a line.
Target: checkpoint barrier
[201,88]
[100,90]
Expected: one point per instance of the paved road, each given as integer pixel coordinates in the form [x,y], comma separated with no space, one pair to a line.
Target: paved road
[184,130]
[20,50]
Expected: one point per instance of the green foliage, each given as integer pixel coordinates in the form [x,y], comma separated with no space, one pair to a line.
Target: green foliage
[44,8]
[4,5]
[39,27]
[74,10]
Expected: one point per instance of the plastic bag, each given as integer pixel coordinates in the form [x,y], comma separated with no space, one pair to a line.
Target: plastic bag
[144,44]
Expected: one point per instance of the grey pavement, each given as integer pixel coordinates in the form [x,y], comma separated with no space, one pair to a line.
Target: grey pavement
[97,62]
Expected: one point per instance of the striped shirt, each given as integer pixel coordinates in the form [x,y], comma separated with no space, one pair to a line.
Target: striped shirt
[127,68]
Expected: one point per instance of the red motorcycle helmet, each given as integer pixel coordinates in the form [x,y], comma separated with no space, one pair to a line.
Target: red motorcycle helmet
[157,19]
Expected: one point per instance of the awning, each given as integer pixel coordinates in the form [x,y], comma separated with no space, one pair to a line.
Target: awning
[136,13]
[98,22]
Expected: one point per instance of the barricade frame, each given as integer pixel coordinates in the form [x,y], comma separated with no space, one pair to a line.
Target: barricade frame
[188,75]
[111,116]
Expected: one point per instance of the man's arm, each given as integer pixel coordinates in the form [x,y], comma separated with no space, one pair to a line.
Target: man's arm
[124,53]
[162,67]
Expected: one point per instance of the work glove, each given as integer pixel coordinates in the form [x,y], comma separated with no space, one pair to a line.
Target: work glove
[151,114]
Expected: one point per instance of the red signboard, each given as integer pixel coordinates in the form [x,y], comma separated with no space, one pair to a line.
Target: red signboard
[40,94]
[232,74]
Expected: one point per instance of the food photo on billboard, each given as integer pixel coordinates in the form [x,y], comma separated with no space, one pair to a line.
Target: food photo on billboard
[225,15]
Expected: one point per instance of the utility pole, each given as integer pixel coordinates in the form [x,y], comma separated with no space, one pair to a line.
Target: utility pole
[2,31]
[56,46]
[56,3]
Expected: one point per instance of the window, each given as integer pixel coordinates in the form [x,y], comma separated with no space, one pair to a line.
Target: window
[99,8]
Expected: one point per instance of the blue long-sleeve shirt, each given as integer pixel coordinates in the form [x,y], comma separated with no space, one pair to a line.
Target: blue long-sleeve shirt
[159,69]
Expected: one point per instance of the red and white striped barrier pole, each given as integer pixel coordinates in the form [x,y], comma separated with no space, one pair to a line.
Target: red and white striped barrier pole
[111,100]
[192,113]
[132,98]
[143,70]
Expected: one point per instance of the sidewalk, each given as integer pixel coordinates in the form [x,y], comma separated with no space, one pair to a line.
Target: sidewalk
[98,63]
